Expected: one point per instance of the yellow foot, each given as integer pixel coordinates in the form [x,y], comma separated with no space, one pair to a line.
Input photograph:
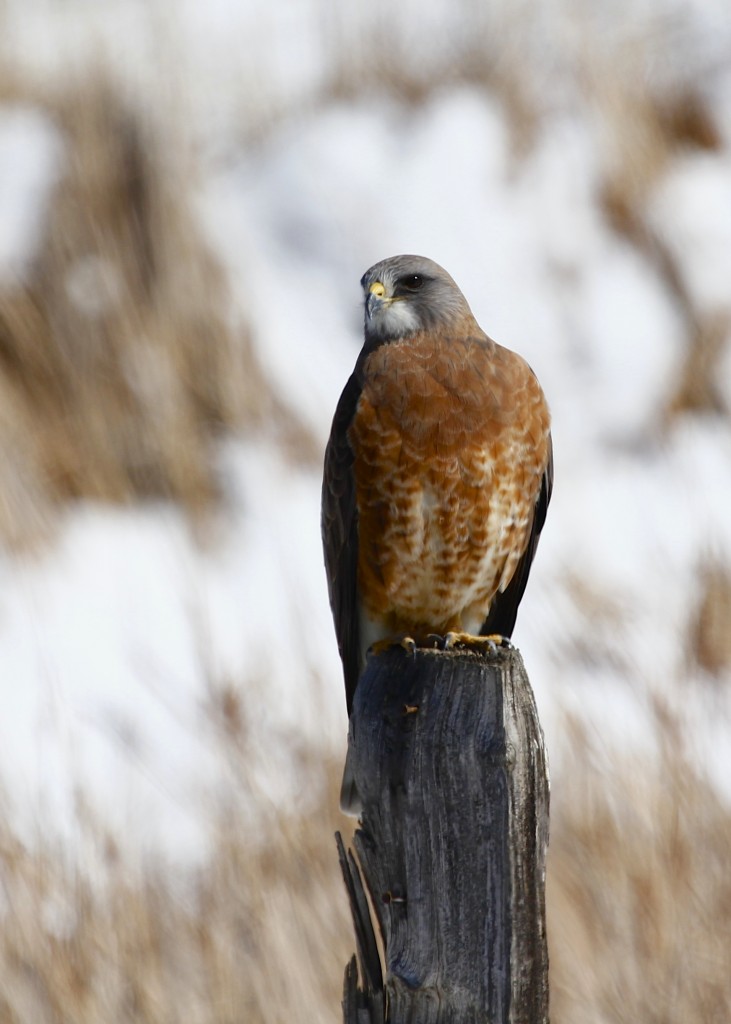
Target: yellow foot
[409,642]
[400,640]
[475,643]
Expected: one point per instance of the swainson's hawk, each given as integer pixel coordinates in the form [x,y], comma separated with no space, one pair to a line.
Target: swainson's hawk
[438,473]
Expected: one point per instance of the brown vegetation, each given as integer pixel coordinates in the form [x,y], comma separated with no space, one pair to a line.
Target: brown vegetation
[639,892]
[644,130]
[639,912]
[710,633]
[260,936]
[120,360]
[121,357]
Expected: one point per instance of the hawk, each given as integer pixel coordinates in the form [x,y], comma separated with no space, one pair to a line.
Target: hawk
[437,477]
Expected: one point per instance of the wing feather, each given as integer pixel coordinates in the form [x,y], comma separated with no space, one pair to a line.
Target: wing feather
[339,524]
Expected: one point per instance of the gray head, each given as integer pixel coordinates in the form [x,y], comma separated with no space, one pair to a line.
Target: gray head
[406,294]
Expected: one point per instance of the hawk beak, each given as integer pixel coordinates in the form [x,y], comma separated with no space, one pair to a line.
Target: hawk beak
[374,299]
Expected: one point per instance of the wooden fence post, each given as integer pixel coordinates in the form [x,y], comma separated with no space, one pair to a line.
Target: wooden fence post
[449,761]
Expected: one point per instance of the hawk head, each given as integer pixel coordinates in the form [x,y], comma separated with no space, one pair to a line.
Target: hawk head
[407,294]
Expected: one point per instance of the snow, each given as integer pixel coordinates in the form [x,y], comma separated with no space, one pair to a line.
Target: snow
[31,153]
[116,639]
[693,212]
[113,642]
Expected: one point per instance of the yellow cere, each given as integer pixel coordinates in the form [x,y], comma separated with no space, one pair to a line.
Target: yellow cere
[377,289]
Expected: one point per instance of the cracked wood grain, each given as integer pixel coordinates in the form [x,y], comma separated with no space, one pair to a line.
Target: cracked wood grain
[449,760]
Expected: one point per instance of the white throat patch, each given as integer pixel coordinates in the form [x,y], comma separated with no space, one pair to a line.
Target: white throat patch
[396,318]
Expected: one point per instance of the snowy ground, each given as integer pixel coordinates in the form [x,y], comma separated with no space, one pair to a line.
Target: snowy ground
[112,641]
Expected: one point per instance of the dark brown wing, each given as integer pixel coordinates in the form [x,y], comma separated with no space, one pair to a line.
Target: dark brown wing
[504,608]
[339,523]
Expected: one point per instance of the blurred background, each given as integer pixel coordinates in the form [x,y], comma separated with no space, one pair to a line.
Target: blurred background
[189,195]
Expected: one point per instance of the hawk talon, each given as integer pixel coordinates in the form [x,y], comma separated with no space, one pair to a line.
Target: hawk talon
[405,641]
[465,641]
[409,644]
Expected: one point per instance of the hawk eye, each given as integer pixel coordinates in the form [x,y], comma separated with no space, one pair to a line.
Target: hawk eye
[411,282]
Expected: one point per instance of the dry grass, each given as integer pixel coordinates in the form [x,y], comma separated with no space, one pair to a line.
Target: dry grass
[121,357]
[639,912]
[644,130]
[639,891]
[120,361]
[261,935]
[710,633]
[376,57]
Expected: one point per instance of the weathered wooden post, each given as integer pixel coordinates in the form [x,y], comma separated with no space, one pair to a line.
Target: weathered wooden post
[449,761]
